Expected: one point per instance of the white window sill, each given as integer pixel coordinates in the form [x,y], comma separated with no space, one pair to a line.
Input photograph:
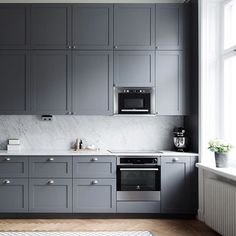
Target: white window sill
[229,172]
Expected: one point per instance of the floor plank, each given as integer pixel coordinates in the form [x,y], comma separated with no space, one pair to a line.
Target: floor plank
[161,227]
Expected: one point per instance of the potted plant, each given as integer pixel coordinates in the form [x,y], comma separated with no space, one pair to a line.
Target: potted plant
[221,149]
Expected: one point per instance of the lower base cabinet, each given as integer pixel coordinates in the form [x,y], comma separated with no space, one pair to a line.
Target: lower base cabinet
[50,195]
[94,195]
[13,195]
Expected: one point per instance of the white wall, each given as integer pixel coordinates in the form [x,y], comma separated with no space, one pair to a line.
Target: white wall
[107,132]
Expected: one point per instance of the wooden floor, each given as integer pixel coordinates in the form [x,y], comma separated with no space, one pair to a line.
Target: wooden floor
[160,227]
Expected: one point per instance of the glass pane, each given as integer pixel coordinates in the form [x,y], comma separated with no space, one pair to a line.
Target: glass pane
[133,103]
[138,180]
[230,24]
[230,99]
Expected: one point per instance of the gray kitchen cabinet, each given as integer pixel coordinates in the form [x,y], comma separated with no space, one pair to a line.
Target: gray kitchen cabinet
[94,195]
[169,27]
[50,82]
[50,195]
[134,68]
[134,26]
[171,88]
[94,167]
[13,195]
[92,82]
[50,166]
[50,26]
[14,26]
[176,185]
[14,89]
[93,26]
[13,166]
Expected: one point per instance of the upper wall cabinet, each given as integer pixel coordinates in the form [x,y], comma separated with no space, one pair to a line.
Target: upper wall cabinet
[14,26]
[50,26]
[134,26]
[93,26]
[14,77]
[50,82]
[92,82]
[169,27]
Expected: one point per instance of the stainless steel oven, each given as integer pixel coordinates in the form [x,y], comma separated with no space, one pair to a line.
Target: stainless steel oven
[138,179]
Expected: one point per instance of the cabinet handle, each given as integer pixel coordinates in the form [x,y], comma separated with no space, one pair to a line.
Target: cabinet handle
[94,159]
[74,46]
[69,113]
[115,46]
[50,181]
[175,159]
[157,47]
[6,181]
[69,46]
[94,182]
[51,159]
[7,159]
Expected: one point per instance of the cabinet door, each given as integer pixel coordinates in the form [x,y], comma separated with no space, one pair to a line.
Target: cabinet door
[134,68]
[14,89]
[134,26]
[50,26]
[175,185]
[94,167]
[92,82]
[169,26]
[14,30]
[13,166]
[51,82]
[13,195]
[171,83]
[93,26]
[94,195]
[53,167]
[50,195]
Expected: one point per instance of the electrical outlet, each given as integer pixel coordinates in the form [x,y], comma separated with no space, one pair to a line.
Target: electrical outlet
[47,117]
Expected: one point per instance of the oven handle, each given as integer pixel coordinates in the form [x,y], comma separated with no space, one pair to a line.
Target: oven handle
[144,169]
[135,110]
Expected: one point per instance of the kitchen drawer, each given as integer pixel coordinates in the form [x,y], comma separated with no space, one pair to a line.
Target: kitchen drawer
[50,195]
[94,167]
[13,195]
[94,195]
[13,166]
[50,166]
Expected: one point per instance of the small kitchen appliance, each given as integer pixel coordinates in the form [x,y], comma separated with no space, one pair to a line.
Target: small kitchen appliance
[179,139]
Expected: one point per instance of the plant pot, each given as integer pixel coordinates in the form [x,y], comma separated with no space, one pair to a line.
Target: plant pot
[221,159]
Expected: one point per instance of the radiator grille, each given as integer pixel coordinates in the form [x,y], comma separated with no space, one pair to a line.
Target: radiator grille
[220,207]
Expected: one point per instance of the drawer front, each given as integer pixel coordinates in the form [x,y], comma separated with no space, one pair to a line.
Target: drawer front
[94,167]
[94,195]
[50,195]
[13,195]
[13,166]
[55,167]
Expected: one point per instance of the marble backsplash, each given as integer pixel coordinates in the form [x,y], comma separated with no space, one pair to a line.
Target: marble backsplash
[106,132]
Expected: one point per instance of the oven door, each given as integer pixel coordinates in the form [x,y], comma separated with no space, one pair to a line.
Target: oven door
[138,183]
[134,103]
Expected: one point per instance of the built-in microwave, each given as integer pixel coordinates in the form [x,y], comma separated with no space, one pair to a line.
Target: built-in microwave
[134,101]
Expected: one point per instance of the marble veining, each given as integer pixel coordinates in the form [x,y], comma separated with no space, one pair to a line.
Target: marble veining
[106,132]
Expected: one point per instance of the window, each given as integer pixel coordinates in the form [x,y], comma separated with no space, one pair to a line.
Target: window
[229,71]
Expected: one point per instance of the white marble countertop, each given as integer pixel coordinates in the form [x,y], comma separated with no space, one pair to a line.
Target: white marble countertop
[229,172]
[92,153]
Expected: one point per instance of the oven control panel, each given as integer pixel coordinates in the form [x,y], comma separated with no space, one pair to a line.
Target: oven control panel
[129,160]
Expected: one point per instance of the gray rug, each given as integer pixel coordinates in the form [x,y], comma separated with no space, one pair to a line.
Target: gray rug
[117,233]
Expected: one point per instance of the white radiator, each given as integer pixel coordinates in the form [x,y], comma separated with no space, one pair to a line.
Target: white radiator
[220,207]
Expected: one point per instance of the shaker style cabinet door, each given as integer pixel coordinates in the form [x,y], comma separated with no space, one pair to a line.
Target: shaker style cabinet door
[134,68]
[175,185]
[169,27]
[134,26]
[171,85]
[50,26]
[92,82]
[13,195]
[94,195]
[50,82]
[93,26]
[14,82]
[14,30]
